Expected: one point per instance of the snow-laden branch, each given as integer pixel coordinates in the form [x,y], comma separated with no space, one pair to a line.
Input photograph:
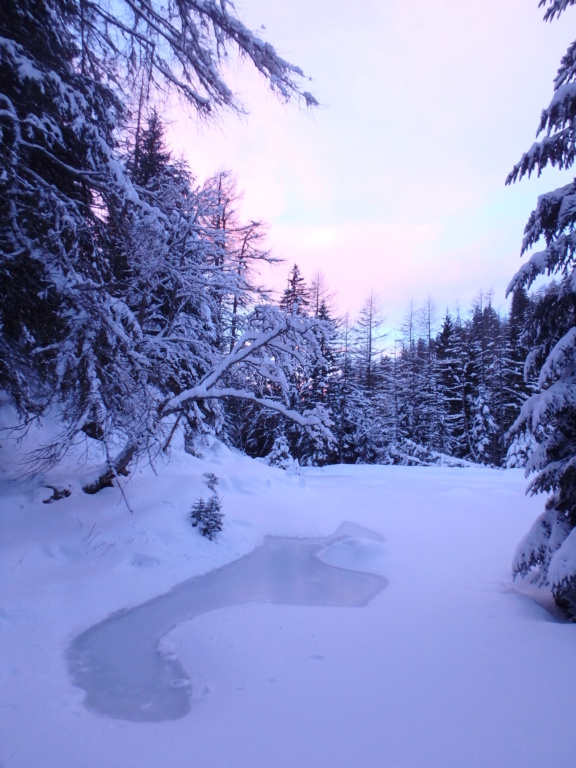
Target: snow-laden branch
[561,361]
[537,264]
[309,419]
[182,44]
[541,407]
[245,349]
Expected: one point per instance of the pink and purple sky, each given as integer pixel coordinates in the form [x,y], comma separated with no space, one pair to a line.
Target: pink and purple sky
[396,183]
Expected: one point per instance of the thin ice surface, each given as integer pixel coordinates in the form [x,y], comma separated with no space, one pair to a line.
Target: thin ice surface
[118,662]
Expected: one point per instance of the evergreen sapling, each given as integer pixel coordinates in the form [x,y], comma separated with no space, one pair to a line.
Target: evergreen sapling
[207,516]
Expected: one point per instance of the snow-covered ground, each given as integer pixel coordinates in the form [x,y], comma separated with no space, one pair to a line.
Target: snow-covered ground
[447,666]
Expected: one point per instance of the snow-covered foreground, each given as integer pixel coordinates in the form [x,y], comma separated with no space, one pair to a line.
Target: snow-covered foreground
[448,666]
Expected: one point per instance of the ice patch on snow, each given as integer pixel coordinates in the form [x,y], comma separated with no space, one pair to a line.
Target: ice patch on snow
[127,671]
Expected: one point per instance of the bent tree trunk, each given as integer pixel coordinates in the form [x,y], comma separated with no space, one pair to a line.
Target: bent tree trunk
[111,471]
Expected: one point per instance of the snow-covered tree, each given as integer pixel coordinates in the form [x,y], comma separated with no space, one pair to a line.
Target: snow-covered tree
[451,368]
[550,547]
[411,382]
[518,384]
[280,455]
[433,421]
[95,319]
[63,335]
[236,254]
[207,516]
[318,387]
[343,389]
[366,400]
[368,337]
[484,340]
[264,358]
[150,161]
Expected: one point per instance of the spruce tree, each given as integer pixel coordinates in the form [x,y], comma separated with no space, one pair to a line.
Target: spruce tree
[343,389]
[484,340]
[411,378]
[63,337]
[296,296]
[150,157]
[433,418]
[448,366]
[550,547]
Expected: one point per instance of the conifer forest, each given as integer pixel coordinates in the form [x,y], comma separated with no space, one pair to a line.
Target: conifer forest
[132,305]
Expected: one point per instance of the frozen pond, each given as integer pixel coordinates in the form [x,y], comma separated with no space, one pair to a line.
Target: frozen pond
[118,662]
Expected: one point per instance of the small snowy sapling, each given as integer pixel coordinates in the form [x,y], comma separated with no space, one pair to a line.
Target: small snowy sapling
[207,516]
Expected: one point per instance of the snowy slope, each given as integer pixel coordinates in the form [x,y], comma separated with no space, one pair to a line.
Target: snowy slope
[448,666]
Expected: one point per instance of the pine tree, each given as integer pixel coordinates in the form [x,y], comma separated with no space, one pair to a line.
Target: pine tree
[484,339]
[517,385]
[250,428]
[296,296]
[63,335]
[449,400]
[280,455]
[433,431]
[207,516]
[411,382]
[398,399]
[551,544]
[369,437]
[150,158]
[343,389]
[455,366]
[172,288]
[318,388]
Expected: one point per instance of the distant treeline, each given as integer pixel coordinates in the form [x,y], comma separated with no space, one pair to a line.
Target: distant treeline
[448,386]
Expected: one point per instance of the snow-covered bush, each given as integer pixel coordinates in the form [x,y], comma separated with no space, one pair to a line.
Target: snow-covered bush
[280,455]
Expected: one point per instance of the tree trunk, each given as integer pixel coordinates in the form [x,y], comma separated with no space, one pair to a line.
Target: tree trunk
[118,467]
